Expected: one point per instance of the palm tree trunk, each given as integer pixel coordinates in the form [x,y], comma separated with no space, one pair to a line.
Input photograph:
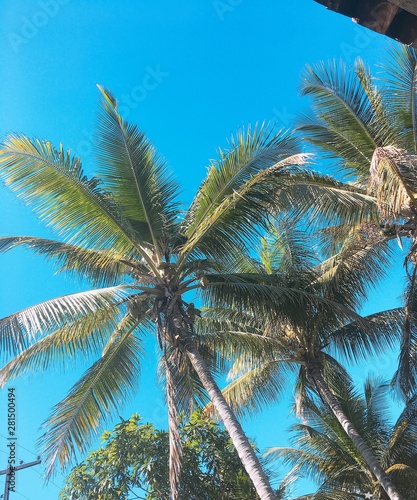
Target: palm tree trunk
[244,449]
[330,399]
[175,445]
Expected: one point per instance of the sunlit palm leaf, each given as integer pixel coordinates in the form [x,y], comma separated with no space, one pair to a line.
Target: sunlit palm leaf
[227,188]
[320,200]
[103,388]
[347,124]
[55,184]
[285,249]
[98,266]
[362,258]
[19,330]
[132,171]
[75,341]
[257,387]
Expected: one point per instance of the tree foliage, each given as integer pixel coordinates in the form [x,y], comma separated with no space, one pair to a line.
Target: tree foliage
[133,460]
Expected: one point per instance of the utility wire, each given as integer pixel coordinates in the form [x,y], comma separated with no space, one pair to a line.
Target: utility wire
[34,454]
[41,475]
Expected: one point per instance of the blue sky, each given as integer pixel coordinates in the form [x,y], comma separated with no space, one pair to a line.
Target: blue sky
[189,73]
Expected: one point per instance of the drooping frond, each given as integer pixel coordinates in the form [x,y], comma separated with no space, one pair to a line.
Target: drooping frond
[103,388]
[136,176]
[63,197]
[75,340]
[402,447]
[393,179]
[233,345]
[19,330]
[102,266]
[272,296]
[373,336]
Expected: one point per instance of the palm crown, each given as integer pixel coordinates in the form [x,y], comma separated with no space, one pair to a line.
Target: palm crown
[324,451]
[124,231]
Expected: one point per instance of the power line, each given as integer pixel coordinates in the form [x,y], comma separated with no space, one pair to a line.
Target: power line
[20,446]
[40,474]
[33,453]
[10,474]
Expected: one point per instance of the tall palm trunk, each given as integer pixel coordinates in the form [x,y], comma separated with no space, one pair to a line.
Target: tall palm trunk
[175,445]
[244,449]
[315,373]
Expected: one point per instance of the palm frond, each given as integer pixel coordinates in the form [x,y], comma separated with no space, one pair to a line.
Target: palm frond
[226,186]
[319,200]
[382,124]
[228,346]
[401,95]
[285,249]
[19,330]
[103,389]
[272,296]
[136,176]
[393,179]
[401,448]
[406,477]
[361,258]
[377,333]
[63,197]
[102,266]
[258,387]
[405,378]
[346,123]
[79,339]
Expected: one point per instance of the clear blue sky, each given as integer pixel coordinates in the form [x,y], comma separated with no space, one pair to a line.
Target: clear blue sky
[189,73]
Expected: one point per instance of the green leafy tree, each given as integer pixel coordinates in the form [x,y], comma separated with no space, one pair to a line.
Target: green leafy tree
[323,452]
[124,231]
[133,463]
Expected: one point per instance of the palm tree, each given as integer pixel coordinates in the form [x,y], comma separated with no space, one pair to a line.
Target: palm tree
[124,231]
[306,338]
[371,132]
[323,451]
